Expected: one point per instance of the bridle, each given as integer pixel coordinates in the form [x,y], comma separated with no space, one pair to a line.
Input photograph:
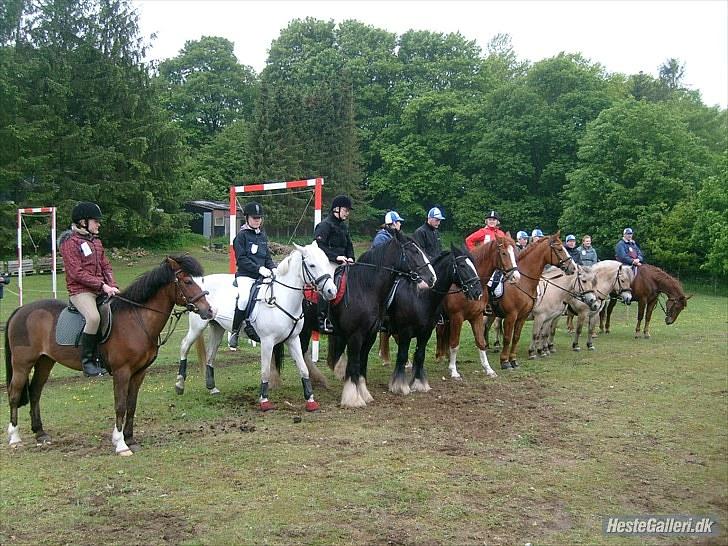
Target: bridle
[621,290]
[405,269]
[563,261]
[188,303]
[501,249]
[466,285]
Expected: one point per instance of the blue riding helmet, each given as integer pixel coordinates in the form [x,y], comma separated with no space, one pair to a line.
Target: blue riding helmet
[627,231]
[435,213]
[392,216]
[537,233]
[521,235]
[570,237]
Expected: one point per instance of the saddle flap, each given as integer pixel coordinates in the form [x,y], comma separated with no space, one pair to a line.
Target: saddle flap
[70,324]
[340,276]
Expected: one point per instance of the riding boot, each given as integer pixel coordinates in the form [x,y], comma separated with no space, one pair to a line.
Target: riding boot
[237,322]
[324,324]
[88,356]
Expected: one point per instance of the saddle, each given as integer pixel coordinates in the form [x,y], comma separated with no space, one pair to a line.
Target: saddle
[311,295]
[495,293]
[70,323]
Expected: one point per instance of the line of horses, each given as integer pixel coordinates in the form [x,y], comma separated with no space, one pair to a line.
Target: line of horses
[396,280]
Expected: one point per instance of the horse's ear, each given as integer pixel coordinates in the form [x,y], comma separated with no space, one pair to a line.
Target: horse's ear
[173,263]
[558,233]
[300,248]
[508,234]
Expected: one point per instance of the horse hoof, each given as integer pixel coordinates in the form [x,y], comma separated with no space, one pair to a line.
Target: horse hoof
[505,365]
[125,453]
[647,336]
[514,364]
[532,357]
[312,405]
[16,445]
[590,347]
[266,406]
[43,440]
[214,390]
[491,374]
[179,390]
[577,348]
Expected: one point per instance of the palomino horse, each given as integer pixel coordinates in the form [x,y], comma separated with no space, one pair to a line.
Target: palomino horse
[413,314]
[277,319]
[357,318]
[556,292]
[498,254]
[649,282]
[518,298]
[139,315]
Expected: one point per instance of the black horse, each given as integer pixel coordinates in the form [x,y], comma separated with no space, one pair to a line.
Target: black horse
[357,317]
[414,313]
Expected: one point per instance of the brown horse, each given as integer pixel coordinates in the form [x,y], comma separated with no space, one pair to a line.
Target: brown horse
[498,254]
[139,315]
[649,282]
[518,298]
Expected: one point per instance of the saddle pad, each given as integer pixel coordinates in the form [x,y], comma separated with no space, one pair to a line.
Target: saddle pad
[70,325]
[340,279]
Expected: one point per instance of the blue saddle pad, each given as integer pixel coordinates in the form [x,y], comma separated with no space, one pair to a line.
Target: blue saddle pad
[70,325]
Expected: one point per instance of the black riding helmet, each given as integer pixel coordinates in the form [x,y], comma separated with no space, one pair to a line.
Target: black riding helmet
[493,214]
[253,209]
[85,210]
[341,201]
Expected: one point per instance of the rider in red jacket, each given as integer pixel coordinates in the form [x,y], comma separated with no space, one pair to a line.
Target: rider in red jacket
[486,234]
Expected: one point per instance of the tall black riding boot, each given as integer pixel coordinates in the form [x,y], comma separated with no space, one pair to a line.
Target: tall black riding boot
[88,356]
[324,324]
[237,322]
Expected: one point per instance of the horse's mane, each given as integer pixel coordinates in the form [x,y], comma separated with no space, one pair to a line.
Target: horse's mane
[284,265]
[148,284]
[663,278]
[479,252]
[526,251]
[376,256]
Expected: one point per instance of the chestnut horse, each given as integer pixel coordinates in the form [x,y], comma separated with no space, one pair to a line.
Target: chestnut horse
[498,254]
[139,315]
[649,282]
[518,298]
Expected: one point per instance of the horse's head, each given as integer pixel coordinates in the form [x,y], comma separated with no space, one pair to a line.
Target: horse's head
[466,276]
[188,293]
[317,270]
[623,283]
[586,284]
[414,261]
[505,249]
[558,255]
[674,306]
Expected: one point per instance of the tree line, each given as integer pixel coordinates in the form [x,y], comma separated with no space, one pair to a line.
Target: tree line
[398,121]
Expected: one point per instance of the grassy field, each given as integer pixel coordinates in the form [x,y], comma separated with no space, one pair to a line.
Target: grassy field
[538,455]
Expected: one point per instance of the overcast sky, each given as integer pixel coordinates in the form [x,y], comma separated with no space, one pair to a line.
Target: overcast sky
[624,36]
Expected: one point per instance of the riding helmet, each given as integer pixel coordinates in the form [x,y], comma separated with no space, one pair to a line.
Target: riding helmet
[341,201]
[436,213]
[253,209]
[522,235]
[493,214]
[392,216]
[537,233]
[85,210]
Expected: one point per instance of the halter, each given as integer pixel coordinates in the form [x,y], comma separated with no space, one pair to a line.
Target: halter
[580,295]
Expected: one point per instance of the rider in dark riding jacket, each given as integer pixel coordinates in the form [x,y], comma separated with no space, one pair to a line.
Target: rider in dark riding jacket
[427,236]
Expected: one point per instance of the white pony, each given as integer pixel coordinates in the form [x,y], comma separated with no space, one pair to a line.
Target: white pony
[277,317]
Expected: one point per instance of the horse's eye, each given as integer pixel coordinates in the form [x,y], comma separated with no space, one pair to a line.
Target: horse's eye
[313,266]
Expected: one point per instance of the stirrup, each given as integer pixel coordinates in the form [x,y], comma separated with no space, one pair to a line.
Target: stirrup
[325,326]
[233,342]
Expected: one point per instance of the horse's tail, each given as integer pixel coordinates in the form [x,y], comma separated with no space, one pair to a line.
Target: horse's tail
[25,392]
[201,350]
[278,351]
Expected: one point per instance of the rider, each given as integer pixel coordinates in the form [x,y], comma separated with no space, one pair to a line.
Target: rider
[254,263]
[486,234]
[392,222]
[427,236]
[628,251]
[521,242]
[587,251]
[332,236]
[88,275]
[572,250]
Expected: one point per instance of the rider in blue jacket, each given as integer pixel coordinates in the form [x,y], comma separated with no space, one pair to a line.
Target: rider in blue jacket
[628,251]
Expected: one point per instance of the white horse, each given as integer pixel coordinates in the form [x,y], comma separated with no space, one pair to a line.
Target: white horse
[611,277]
[277,317]
[557,291]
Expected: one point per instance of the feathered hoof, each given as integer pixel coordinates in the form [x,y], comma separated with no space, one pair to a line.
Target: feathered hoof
[312,405]
[266,405]
[16,445]
[43,440]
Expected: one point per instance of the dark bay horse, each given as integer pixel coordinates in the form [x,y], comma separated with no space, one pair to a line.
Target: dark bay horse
[413,313]
[649,282]
[498,254]
[518,298]
[358,316]
[139,314]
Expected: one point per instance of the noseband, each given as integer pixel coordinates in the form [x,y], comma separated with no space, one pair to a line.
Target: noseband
[413,272]
[317,282]
[508,272]
[189,303]
[468,284]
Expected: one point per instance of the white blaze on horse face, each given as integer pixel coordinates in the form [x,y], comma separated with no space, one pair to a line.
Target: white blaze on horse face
[516,274]
[429,266]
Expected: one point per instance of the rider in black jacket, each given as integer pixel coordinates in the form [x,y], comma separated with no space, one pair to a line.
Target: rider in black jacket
[332,236]
[427,236]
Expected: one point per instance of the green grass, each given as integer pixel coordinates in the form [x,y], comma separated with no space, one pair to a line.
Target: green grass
[538,455]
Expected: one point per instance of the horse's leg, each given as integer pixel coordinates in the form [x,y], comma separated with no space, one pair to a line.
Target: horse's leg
[369,341]
[217,332]
[569,322]
[350,397]
[648,317]
[419,379]
[550,335]
[498,330]
[294,347]
[508,325]
[592,323]
[476,325]
[317,377]
[121,393]
[16,396]
[40,376]
[577,332]
[640,314]
[398,381]
[266,355]
[384,348]
[514,342]
[535,348]
[456,324]
[135,382]
[442,334]
[193,333]
[338,356]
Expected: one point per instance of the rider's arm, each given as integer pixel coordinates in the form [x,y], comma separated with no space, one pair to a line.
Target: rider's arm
[321,234]
[475,238]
